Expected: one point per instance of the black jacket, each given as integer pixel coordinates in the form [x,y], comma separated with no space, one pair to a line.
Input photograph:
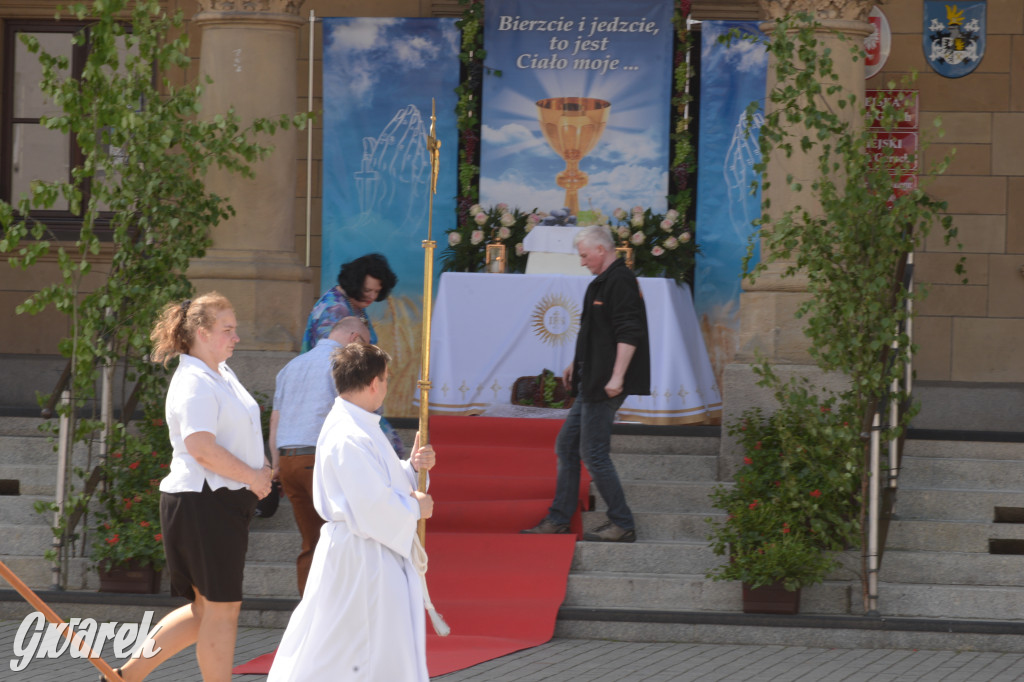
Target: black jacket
[613,313]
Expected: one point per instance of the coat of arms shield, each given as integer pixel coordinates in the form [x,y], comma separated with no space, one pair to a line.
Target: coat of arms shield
[954,36]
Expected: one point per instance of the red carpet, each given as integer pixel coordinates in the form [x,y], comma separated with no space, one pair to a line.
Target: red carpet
[498,590]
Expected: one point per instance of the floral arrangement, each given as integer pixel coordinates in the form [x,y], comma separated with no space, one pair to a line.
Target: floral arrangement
[661,243]
[467,243]
[128,520]
[795,502]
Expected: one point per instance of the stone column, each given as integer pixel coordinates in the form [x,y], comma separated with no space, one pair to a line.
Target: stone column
[767,323]
[249,49]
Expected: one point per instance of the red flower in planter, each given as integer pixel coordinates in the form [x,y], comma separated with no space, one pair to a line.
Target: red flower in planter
[747,460]
[158,536]
[753,505]
[815,493]
[113,540]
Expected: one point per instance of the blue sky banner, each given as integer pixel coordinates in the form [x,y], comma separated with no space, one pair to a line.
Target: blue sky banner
[732,76]
[600,70]
[379,75]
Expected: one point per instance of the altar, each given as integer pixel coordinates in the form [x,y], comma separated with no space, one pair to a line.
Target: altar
[490,329]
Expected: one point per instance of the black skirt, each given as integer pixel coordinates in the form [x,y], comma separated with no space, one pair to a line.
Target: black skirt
[206,535]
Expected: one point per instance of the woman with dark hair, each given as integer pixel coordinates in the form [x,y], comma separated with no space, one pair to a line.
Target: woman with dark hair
[206,501]
[361,281]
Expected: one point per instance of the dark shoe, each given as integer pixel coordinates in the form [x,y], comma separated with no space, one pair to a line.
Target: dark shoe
[609,532]
[547,527]
[103,678]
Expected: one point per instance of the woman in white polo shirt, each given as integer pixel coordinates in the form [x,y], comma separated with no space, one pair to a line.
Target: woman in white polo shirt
[217,474]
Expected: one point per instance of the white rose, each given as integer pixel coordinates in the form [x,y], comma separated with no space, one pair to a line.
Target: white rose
[508,220]
[504,233]
[454,239]
[476,237]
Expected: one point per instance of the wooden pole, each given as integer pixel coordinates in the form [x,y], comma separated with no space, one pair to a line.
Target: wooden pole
[39,605]
[434,149]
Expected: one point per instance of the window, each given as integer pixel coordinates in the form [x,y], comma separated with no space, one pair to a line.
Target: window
[28,150]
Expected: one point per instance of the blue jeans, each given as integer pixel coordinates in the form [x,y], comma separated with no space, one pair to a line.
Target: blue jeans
[587,433]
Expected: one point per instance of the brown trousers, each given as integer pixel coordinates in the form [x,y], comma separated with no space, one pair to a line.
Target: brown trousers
[297,481]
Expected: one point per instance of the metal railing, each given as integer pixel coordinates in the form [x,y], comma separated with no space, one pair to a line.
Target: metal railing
[67,523]
[887,414]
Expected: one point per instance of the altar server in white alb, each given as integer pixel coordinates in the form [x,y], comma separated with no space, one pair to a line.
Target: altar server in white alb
[362,614]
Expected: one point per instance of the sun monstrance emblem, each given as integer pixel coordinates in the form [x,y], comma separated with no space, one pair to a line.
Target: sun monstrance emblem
[556,320]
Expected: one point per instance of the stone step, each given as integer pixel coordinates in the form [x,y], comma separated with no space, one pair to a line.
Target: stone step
[961,449]
[949,536]
[623,625]
[273,545]
[663,526]
[953,505]
[36,572]
[952,568]
[688,445]
[23,426]
[665,467]
[18,510]
[663,496]
[645,557]
[963,473]
[270,579]
[600,589]
[951,601]
[23,539]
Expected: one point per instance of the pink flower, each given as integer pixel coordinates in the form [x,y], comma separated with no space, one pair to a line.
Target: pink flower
[475,208]
[752,505]
[623,232]
[502,207]
[476,237]
[637,238]
[454,239]
[619,214]
[666,225]
[638,209]
[672,214]
[480,218]
[508,220]
[685,237]
[637,221]
[533,219]
[504,233]
[671,243]
[133,465]
[657,251]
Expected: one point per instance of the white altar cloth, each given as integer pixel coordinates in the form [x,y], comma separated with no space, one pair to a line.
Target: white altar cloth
[552,251]
[489,329]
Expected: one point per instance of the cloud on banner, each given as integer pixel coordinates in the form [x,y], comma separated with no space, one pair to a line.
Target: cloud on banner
[379,76]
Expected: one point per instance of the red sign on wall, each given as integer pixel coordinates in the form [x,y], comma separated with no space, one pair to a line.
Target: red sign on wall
[895,150]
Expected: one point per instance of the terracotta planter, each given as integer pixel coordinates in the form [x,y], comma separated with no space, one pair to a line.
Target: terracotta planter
[130,577]
[772,598]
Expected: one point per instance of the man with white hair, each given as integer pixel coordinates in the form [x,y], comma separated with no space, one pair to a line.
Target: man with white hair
[612,361]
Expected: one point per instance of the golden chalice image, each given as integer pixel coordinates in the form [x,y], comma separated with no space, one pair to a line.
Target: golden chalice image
[572,126]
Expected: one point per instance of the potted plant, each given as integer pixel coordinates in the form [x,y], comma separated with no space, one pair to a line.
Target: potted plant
[128,545]
[842,234]
[795,501]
